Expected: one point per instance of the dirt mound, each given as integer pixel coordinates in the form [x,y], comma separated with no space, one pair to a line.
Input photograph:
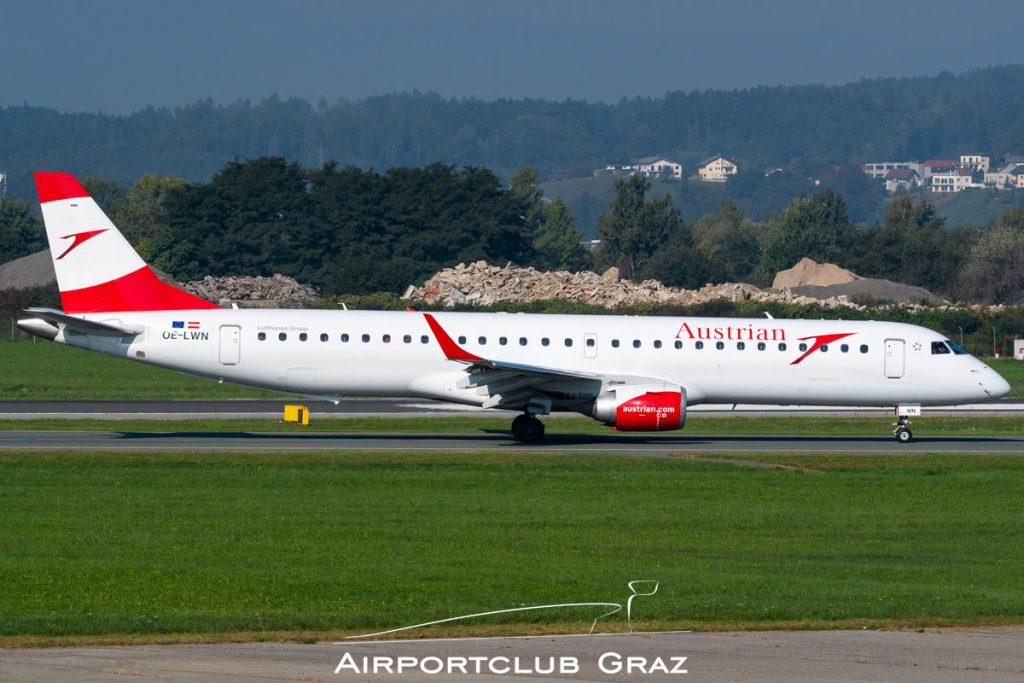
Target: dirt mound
[254,291]
[870,290]
[809,272]
[34,270]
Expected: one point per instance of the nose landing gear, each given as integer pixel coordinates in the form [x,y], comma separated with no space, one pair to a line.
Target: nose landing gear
[528,429]
[902,431]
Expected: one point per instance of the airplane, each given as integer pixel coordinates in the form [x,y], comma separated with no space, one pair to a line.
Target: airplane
[631,373]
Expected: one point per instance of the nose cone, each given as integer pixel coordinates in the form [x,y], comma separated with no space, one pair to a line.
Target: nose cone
[993,383]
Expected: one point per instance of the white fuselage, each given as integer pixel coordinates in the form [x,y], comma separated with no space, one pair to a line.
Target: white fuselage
[396,354]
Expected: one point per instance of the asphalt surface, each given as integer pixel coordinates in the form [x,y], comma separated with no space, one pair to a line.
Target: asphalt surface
[611,444]
[992,655]
[242,408]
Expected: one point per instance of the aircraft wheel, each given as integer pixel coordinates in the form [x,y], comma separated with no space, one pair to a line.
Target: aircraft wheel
[531,430]
[904,435]
[517,427]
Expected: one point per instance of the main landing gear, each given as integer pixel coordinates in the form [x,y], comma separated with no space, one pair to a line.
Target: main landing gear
[528,429]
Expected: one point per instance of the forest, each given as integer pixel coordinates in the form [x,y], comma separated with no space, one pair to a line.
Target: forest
[806,130]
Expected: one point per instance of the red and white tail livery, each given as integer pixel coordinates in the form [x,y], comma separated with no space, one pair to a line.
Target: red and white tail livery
[630,373]
[97,270]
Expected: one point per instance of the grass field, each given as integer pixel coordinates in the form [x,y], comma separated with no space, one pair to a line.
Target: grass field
[46,371]
[123,548]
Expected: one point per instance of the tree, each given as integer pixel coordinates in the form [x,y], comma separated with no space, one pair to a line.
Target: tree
[141,212]
[524,190]
[994,270]
[21,233]
[730,241]
[633,229]
[813,227]
[556,242]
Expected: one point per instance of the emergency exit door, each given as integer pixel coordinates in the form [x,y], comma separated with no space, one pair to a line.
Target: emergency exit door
[894,358]
[230,344]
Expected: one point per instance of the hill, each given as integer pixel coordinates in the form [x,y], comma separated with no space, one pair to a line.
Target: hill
[808,130]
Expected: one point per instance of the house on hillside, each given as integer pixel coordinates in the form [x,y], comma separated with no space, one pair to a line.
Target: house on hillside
[879,169]
[649,167]
[934,166]
[953,180]
[905,179]
[975,162]
[1017,176]
[716,169]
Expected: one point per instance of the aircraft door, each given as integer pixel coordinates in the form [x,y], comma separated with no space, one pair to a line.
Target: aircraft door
[590,346]
[230,344]
[894,358]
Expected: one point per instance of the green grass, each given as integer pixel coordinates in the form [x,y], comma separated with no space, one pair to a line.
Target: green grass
[47,371]
[199,546]
[700,425]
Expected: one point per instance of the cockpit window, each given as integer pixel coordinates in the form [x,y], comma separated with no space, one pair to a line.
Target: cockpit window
[939,347]
[957,349]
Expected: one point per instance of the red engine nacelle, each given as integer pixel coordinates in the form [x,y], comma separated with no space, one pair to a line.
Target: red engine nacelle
[635,409]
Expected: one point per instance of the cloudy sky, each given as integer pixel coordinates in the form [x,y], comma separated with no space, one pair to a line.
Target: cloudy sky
[118,56]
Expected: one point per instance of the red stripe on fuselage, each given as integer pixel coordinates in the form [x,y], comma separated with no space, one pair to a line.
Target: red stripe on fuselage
[138,291]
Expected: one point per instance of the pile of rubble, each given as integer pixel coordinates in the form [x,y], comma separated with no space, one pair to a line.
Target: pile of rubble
[277,291]
[480,284]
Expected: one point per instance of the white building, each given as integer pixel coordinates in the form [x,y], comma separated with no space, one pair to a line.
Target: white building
[879,169]
[975,162]
[954,180]
[649,167]
[717,169]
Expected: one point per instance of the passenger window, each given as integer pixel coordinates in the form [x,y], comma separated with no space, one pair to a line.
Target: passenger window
[782,346]
[615,343]
[261,336]
[740,346]
[698,345]
[323,336]
[844,348]
[802,347]
[636,343]
[678,344]
[481,340]
[303,336]
[719,345]
[824,348]
[761,346]
[568,342]
[591,343]
[939,347]
[503,340]
[424,339]
[366,338]
[462,339]
[282,336]
[407,339]
[863,348]
[657,343]
[344,338]
[522,341]
[544,341]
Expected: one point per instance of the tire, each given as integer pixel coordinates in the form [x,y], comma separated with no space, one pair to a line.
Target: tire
[517,427]
[532,430]
[904,435]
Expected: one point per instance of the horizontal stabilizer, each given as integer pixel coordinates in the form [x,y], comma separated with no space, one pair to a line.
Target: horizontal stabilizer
[81,325]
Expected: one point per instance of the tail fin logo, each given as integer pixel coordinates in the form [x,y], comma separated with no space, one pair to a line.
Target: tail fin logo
[80,238]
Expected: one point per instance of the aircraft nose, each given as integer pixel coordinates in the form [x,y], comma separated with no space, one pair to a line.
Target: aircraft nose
[997,387]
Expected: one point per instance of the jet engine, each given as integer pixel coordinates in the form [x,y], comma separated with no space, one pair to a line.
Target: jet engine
[641,409]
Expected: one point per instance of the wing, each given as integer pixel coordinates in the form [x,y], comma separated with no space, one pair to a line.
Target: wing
[519,385]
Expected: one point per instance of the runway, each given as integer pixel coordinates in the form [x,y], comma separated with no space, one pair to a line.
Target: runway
[383,407]
[981,655]
[611,444]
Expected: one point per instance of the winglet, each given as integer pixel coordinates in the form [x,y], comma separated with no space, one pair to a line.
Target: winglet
[451,350]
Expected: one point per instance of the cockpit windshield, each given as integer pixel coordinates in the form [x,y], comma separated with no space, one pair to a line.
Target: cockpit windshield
[957,349]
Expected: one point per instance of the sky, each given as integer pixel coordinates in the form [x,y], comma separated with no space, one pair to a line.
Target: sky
[118,56]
